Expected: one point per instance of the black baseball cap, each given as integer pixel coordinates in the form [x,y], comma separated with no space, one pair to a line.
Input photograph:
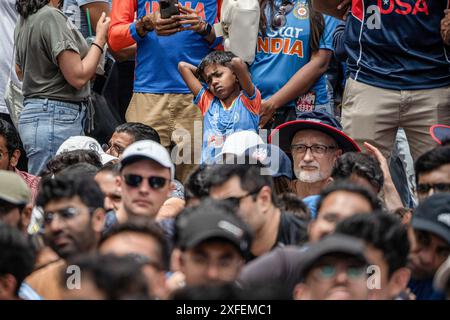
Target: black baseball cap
[332,244]
[433,215]
[316,120]
[200,225]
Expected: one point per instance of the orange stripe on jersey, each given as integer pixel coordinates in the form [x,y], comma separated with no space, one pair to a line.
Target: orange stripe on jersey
[122,15]
[205,101]
[254,106]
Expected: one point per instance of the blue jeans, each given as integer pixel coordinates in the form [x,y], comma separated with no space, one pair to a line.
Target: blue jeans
[44,125]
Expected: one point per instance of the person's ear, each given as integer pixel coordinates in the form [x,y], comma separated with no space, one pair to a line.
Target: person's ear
[301,292]
[98,220]
[264,197]
[399,281]
[8,285]
[25,217]
[119,181]
[14,158]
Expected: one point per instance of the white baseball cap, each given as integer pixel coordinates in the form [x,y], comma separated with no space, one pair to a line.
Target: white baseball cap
[85,143]
[237,142]
[147,149]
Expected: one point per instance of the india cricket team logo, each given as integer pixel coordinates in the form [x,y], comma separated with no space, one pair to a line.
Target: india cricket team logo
[301,11]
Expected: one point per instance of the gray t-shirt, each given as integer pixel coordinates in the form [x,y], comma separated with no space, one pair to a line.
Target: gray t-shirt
[40,38]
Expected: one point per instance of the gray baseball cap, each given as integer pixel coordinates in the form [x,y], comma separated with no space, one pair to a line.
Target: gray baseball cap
[13,188]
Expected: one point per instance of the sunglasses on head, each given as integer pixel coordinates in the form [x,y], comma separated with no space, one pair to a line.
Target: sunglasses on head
[134,180]
[279,19]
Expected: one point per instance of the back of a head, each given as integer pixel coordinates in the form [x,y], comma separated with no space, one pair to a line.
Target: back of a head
[147,227]
[80,169]
[118,278]
[383,231]
[195,185]
[249,175]
[360,164]
[139,131]
[294,204]
[432,160]
[349,187]
[66,186]
[16,254]
[70,158]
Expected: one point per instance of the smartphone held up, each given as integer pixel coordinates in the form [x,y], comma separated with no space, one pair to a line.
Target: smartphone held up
[168,8]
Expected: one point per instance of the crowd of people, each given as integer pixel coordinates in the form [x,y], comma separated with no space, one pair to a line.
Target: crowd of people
[149,163]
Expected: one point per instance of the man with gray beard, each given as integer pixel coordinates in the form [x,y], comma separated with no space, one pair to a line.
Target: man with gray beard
[315,141]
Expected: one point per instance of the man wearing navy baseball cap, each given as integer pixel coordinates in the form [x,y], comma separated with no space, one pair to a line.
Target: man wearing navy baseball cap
[214,243]
[315,141]
[431,225]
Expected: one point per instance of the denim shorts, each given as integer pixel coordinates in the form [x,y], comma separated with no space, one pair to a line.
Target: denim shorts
[44,125]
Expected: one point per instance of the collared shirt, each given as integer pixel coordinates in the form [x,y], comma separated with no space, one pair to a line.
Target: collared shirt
[31,181]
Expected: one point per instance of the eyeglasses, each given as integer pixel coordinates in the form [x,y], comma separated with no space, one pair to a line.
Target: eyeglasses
[316,149]
[424,188]
[134,180]
[328,272]
[279,19]
[65,214]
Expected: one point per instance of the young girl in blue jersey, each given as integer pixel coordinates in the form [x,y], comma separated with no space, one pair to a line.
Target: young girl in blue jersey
[293,53]
[230,103]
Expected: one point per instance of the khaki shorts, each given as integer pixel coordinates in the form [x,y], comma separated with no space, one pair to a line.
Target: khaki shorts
[374,114]
[178,122]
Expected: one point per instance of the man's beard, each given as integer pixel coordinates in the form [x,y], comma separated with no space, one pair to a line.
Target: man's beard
[309,176]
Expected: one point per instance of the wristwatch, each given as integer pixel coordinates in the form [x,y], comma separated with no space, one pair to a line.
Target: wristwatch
[207,31]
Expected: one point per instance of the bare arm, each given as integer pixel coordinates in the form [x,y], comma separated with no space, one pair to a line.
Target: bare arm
[79,71]
[19,72]
[298,85]
[188,72]
[391,196]
[123,54]
[241,71]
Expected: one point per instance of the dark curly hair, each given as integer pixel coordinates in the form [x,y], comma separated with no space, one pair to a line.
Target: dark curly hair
[70,158]
[214,57]
[361,164]
[28,7]
[384,232]
[66,186]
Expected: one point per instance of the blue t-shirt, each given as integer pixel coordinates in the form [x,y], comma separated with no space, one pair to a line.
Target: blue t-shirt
[219,122]
[72,9]
[397,44]
[423,289]
[158,56]
[281,53]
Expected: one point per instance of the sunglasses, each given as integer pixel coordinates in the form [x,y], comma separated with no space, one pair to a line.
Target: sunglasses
[279,19]
[424,188]
[134,180]
[327,272]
